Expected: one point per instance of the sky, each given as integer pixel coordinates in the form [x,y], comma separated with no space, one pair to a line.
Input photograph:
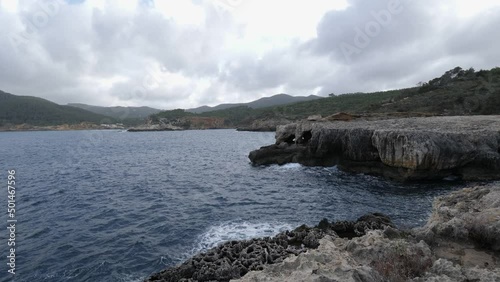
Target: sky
[186,53]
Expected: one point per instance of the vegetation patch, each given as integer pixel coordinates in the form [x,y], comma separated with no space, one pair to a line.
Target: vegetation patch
[402,263]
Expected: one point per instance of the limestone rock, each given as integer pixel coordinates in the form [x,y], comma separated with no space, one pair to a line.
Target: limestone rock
[471,214]
[234,259]
[444,270]
[371,257]
[327,263]
[467,147]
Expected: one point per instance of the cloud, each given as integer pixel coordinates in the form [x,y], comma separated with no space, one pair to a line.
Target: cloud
[476,39]
[171,54]
[392,44]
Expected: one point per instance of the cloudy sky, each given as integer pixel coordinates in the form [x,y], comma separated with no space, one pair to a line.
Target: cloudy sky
[186,53]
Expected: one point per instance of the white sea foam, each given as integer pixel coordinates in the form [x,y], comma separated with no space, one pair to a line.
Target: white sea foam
[229,231]
[236,231]
[287,167]
[131,278]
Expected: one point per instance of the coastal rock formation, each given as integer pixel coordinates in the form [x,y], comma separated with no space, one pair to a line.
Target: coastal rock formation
[234,259]
[373,257]
[467,147]
[369,249]
[393,255]
[469,215]
[464,234]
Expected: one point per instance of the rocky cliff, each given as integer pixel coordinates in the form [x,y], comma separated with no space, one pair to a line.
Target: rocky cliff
[467,147]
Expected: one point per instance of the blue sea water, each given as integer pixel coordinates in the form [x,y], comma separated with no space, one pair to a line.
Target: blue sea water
[119,206]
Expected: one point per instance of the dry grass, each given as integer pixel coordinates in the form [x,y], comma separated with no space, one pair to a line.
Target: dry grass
[484,236]
[402,263]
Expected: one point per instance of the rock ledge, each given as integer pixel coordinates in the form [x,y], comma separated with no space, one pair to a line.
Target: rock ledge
[467,147]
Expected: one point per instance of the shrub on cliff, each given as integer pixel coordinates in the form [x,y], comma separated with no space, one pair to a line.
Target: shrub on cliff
[402,263]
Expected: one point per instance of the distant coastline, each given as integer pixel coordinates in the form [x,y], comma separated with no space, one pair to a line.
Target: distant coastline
[62,127]
[458,92]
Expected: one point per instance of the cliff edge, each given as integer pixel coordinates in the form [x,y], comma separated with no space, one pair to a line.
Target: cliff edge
[467,147]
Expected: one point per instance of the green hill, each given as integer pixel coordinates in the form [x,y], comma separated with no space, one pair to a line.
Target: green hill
[275,100]
[456,92]
[120,113]
[40,112]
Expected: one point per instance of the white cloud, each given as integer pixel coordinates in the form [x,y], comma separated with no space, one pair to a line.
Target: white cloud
[182,12]
[10,6]
[284,19]
[173,53]
[468,9]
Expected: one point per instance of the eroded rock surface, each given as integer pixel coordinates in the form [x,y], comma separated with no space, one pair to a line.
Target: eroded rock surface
[464,234]
[372,257]
[234,259]
[407,149]
[393,255]
[469,215]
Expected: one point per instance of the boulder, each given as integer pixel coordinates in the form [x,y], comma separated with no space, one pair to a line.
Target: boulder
[469,215]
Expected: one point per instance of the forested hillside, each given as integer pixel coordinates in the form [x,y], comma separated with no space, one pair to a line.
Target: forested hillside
[37,111]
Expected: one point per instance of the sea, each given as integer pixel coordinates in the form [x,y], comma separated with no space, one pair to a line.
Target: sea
[119,206]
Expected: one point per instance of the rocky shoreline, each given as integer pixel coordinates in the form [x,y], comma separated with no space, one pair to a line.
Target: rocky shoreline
[460,242]
[424,148]
[236,258]
[140,129]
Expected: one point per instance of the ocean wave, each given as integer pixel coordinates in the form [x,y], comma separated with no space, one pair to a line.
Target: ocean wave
[286,167]
[131,278]
[230,231]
